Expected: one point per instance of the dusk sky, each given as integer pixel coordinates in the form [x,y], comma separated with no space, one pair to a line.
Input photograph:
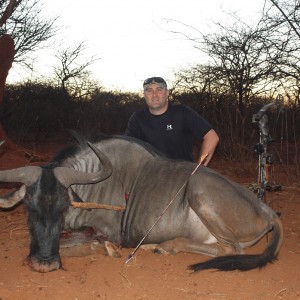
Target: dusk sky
[133,38]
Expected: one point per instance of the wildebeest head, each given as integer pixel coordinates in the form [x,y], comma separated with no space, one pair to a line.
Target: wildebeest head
[46,194]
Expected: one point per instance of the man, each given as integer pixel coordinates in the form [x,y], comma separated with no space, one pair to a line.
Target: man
[171,128]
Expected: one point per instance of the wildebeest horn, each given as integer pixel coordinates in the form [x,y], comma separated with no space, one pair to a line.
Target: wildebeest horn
[13,198]
[27,175]
[67,176]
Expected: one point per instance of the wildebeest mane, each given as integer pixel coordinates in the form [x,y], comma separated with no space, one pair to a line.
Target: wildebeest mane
[151,149]
[64,153]
[81,143]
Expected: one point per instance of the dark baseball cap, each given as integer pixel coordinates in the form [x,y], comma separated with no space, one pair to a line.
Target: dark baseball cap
[159,80]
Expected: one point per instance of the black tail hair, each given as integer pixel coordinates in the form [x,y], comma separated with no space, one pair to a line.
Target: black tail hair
[246,262]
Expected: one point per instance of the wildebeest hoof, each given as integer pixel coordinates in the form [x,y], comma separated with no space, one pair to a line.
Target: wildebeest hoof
[112,249]
[160,250]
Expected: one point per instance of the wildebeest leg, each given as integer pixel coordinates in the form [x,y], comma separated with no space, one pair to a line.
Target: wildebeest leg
[82,242]
[86,241]
[186,245]
[83,235]
[80,250]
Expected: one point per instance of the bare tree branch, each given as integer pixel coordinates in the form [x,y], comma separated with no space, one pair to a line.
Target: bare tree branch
[28,28]
[286,17]
[12,5]
[73,73]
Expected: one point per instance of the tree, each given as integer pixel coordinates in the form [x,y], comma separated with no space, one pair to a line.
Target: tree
[290,13]
[241,67]
[281,20]
[73,74]
[7,52]
[9,9]
[22,30]
[27,26]
[247,62]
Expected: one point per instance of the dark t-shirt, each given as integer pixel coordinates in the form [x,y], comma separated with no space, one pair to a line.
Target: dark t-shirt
[171,132]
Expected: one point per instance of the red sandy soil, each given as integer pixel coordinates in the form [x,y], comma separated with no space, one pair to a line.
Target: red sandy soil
[147,276]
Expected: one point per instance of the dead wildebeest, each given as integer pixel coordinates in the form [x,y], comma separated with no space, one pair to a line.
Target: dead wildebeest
[210,216]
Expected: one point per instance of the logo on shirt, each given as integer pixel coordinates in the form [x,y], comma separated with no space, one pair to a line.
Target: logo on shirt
[169,127]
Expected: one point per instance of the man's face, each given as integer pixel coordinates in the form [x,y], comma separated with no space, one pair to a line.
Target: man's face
[156,98]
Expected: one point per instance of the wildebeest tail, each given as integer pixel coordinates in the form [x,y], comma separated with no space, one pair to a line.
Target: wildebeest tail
[246,262]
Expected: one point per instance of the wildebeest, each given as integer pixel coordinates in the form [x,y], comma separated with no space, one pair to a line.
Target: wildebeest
[211,215]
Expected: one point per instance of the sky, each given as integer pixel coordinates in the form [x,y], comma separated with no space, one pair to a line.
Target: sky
[133,39]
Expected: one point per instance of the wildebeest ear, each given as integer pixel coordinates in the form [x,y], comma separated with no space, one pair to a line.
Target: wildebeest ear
[73,196]
[12,198]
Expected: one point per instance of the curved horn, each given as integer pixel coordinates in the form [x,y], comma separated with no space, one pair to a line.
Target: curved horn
[27,175]
[13,198]
[67,176]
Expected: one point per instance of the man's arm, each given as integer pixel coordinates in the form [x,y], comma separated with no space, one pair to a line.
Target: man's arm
[209,144]
[132,127]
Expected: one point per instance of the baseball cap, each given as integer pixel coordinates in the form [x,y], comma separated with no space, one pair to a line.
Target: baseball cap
[159,80]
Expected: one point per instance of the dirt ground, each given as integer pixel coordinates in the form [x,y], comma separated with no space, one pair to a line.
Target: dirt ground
[147,276]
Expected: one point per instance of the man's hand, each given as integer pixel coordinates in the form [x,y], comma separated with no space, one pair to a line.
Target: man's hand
[209,144]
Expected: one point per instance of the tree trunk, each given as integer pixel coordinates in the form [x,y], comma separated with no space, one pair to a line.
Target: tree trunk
[7,52]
